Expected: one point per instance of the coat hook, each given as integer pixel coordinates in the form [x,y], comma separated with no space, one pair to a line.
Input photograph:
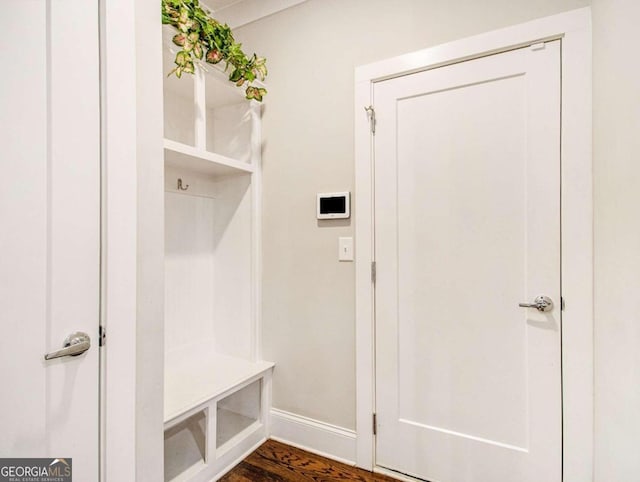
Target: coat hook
[181,187]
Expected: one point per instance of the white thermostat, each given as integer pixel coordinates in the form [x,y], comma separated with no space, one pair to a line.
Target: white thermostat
[334,205]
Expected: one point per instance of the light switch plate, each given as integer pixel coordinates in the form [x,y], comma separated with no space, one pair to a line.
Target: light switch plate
[345,249]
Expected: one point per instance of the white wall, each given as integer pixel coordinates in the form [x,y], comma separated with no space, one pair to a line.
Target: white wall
[617,239]
[312,49]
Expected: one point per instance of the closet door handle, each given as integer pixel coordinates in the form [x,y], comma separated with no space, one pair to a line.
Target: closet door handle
[541,303]
[75,344]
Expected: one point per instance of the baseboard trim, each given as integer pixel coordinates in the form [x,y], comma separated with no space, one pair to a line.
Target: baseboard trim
[320,438]
[397,475]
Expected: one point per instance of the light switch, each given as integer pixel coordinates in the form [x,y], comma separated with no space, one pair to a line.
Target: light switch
[345,249]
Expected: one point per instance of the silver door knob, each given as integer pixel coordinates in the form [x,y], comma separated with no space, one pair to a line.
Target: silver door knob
[75,344]
[541,303]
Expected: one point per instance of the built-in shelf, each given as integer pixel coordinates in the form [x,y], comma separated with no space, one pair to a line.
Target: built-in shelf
[188,157]
[194,377]
[216,395]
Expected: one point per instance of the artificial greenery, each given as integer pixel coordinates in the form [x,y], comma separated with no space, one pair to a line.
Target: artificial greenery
[200,36]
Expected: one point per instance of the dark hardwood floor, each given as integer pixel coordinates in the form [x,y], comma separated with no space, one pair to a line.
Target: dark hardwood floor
[276,462]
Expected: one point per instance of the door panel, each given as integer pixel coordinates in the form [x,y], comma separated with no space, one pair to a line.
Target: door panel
[50,213]
[467,214]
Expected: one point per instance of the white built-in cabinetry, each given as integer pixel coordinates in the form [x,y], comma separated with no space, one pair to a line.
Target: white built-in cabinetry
[217,388]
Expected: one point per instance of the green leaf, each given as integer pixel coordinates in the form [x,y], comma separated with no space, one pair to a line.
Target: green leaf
[214,56]
[199,33]
[184,16]
[256,93]
[179,39]
[189,68]
[197,51]
[182,58]
[260,68]
[236,75]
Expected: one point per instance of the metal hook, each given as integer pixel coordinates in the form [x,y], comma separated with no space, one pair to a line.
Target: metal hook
[181,187]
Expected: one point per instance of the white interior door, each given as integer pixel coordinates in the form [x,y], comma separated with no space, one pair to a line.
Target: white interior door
[50,234]
[467,223]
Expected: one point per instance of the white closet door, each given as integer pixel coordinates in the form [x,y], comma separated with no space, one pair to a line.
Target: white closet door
[467,222]
[50,235]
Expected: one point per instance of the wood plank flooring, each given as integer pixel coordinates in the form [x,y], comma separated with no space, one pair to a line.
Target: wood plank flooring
[276,462]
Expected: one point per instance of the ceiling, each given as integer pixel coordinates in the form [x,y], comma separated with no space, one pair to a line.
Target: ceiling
[241,12]
[219,4]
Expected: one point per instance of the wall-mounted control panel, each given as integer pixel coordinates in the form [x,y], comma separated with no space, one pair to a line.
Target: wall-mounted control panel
[334,205]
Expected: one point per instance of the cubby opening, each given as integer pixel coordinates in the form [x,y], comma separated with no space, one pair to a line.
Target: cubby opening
[179,102]
[229,120]
[208,265]
[207,112]
[237,413]
[185,447]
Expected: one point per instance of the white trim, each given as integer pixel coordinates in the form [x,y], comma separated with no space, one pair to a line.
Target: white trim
[119,232]
[577,256]
[256,227]
[317,437]
[364,290]
[574,28]
[150,244]
[132,246]
[543,29]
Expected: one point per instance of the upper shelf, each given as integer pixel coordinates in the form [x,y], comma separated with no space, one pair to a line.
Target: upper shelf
[181,155]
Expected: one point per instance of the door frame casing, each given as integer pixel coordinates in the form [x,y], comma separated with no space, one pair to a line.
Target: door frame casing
[573,28]
[132,251]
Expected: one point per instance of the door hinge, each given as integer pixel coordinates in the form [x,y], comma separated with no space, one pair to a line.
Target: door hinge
[375,424]
[102,336]
[373,272]
[561,303]
[371,114]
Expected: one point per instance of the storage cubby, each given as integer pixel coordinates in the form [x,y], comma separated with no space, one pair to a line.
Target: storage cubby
[185,447]
[208,112]
[179,103]
[230,120]
[216,385]
[237,413]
